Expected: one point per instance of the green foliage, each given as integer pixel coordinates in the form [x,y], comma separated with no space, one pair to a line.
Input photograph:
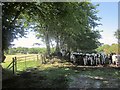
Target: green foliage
[24,50]
[13,26]
[36,50]
[67,23]
[70,24]
[117,34]
[114,48]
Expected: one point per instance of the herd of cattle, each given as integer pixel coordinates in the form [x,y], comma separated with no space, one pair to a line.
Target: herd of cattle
[88,59]
[94,59]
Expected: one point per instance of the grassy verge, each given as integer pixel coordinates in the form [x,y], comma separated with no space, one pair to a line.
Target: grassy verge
[57,75]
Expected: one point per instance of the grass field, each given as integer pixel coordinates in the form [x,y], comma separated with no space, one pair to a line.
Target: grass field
[9,57]
[24,61]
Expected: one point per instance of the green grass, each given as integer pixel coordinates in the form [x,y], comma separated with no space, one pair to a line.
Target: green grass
[7,74]
[57,75]
[105,73]
[28,64]
[9,57]
[21,63]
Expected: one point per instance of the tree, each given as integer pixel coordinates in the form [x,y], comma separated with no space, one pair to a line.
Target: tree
[14,25]
[67,23]
[117,34]
[14,22]
[71,24]
[10,14]
[114,48]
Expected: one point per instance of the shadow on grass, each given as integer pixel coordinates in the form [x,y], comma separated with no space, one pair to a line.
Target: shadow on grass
[56,77]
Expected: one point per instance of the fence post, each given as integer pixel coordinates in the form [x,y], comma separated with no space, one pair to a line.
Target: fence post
[13,66]
[25,62]
[37,59]
[42,57]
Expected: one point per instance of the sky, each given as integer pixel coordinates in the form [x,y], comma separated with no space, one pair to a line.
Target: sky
[108,11]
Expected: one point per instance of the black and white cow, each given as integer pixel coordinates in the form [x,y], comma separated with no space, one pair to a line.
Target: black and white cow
[88,59]
[115,59]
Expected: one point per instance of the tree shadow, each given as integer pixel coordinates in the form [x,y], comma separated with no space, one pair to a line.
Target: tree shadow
[56,77]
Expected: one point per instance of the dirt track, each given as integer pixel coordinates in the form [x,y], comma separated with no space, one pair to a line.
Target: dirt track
[82,81]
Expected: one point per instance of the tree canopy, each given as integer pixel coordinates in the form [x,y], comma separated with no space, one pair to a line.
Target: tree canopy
[108,49]
[117,34]
[69,24]
[13,24]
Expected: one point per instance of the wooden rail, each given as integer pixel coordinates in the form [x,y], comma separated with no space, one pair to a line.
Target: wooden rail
[13,65]
[15,61]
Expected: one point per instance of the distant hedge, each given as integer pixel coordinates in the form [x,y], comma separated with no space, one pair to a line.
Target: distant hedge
[24,50]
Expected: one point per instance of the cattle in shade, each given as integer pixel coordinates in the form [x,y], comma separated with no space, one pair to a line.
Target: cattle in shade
[87,59]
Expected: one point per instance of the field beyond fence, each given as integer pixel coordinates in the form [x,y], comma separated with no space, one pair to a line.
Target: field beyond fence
[23,61]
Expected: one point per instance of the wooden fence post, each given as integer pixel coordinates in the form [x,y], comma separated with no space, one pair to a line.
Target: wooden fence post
[13,66]
[37,60]
[25,62]
[37,57]
[42,58]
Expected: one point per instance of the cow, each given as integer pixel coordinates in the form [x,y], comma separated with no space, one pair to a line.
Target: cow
[115,59]
[88,59]
[85,58]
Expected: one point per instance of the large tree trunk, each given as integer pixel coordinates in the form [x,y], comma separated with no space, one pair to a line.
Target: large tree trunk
[47,41]
[3,57]
[61,43]
[57,44]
